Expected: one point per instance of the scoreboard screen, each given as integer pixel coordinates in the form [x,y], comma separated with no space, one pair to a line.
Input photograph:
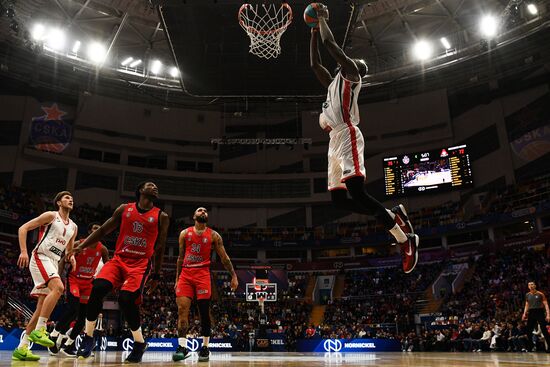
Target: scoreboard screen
[436,170]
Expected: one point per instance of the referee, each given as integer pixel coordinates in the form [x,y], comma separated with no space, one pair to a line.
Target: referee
[534,312]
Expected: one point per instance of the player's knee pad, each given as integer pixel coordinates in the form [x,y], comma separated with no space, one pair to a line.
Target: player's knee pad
[127,298]
[355,186]
[100,288]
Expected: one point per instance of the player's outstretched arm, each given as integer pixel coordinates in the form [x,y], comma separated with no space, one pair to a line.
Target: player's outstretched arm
[348,66]
[315,62]
[41,220]
[110,225]
[70,247]
[226,261]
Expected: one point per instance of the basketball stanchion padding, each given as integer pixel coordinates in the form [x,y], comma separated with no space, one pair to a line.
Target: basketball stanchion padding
[265,25]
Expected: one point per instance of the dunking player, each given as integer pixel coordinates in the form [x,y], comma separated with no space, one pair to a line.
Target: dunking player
[536,305]
[340,117]
[57,233]
[143,230]
[79,284]
[193,279]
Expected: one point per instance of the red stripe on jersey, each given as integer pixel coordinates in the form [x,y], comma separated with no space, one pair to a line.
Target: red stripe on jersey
[346,105]
[43,271]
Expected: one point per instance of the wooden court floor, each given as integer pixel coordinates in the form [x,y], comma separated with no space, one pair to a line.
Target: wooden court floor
[111,359]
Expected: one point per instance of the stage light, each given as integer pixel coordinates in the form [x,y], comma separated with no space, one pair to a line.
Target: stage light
[532,8]
[76,47]
[174,72]
[488,26]
[55,39]
[422,50]
[156,66]
[97,52]
[127,61]
[135,63]
[38,32]
[445,42]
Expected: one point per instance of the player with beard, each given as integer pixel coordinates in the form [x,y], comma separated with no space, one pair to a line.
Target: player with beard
[143,231]
[193,279]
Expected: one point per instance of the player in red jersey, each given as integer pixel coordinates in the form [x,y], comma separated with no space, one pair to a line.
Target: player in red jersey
[193,279]
[143,230]
[79,286]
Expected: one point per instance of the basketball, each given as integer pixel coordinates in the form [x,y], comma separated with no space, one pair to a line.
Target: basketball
[310,15]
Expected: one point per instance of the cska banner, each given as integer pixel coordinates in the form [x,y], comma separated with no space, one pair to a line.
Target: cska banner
[51,132]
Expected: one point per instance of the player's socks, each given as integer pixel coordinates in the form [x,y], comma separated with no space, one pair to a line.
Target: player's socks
[398,234]
[24,342]
[41,323]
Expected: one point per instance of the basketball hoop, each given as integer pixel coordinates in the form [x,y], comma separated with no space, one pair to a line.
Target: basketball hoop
[265,24]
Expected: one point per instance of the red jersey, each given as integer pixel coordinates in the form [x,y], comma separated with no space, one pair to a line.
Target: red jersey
[87,262]
[138,232]
[198,248]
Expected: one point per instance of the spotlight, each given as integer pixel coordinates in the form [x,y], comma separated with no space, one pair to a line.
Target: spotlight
[10,12]
[14,26]
[174,72]
[422,50]
[56,39]
[445,42]
[127,61]
[97,52]
[488,26]
[156,66]
[76,47]
[38,32]
[532,8]
[135,63]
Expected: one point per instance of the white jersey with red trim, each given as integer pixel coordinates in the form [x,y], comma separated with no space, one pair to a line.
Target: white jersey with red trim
[54,237]
[340,109]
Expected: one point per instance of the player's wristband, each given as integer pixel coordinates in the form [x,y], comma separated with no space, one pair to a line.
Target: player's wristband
[155,276]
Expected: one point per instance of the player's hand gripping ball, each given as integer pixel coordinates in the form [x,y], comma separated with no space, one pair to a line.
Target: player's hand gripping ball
[310,15]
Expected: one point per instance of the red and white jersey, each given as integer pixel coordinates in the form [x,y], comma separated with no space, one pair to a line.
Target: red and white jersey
[54,237]
[138,232]
[198,248]
[87,262]
[340,110]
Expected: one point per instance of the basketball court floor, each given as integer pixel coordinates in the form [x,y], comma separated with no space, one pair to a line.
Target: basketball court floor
[112,359]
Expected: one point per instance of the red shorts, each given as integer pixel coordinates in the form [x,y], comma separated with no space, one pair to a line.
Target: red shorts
[81,288]
[127,274]
[194,282]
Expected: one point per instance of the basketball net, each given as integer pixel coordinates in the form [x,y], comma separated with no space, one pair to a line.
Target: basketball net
[265,24]
[261,301]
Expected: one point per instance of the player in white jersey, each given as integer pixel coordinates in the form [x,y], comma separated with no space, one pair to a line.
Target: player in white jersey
[340,117]
[57,235]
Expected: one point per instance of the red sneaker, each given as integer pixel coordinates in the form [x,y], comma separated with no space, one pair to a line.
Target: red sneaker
[402,219]
[409,252]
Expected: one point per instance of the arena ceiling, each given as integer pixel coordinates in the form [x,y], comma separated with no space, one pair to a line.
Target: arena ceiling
[202,38]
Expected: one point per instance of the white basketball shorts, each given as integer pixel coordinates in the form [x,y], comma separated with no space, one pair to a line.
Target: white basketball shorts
[345,156]
[43,269]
